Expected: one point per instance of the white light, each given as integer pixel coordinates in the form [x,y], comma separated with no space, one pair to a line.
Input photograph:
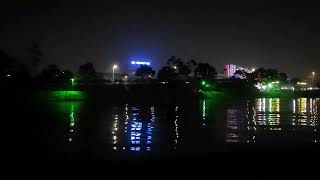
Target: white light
[141,63]
[8,75]
[115,66]
[301,83]
[174,67]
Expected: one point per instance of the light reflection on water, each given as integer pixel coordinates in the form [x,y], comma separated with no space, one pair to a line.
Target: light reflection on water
[271,116]
[69,110]
[206,126]
[135,131]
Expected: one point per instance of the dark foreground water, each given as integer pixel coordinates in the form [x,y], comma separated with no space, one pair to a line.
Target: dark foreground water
[120,132]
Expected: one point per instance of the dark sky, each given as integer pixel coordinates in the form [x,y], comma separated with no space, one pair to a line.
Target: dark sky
[249,33]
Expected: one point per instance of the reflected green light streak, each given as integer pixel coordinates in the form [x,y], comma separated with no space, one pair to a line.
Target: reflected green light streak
[72,116]
[204,112]
[67,95]
[68,112]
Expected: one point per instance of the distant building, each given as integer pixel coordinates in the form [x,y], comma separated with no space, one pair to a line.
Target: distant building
[135,64]
[230,70]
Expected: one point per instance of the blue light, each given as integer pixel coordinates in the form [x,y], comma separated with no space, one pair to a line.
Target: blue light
[135,148]
[141,63]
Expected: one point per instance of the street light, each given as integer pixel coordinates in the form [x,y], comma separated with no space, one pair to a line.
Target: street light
[113,68]
[313,75]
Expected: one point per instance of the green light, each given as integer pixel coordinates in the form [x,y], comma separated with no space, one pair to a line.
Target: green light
[67,95]
[270,85]
[207,85]
[203,83]
[72,82]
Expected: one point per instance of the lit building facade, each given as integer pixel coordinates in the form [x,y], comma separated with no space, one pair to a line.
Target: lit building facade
[230,70]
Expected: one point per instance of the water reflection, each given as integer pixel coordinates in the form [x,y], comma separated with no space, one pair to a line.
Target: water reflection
[204,112]
[75,108]
[272,114]
[69,112]
[203,126]
[176,128]
[133,130]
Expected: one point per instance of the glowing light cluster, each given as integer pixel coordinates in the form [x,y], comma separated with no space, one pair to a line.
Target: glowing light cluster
[114,132]
[176,127]
[141,63]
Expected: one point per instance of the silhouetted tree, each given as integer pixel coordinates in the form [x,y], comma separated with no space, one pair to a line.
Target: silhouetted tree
[12,67]
[171,61]
[145,71]
[192,64]
[5,63]
[167,73]
[205,71]
[87,71]
[283,78]
[184,71]
[36,55]
[51,73]
[66,75]
[294,81]
[269,75]
[175,62]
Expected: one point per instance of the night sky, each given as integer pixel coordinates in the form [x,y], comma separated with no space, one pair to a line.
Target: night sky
[251,33]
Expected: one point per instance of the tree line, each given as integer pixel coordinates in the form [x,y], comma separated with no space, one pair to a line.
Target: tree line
[174,69]
[177,69]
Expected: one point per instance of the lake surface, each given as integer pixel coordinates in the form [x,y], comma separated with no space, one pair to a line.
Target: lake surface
[77,129]
[205,126]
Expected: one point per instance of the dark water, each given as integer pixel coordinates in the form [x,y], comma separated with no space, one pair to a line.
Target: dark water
[202,127]
[78,129]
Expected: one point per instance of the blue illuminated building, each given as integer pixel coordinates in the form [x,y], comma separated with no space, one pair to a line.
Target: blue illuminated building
[140,63]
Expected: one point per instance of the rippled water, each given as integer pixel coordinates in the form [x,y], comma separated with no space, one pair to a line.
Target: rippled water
[206,126]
